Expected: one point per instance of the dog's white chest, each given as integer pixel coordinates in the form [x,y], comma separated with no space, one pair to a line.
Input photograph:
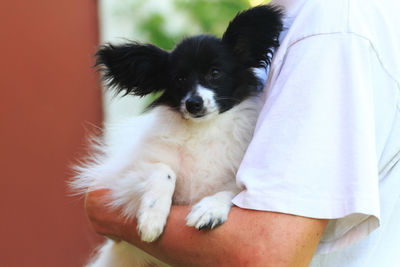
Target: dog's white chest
[205,156]
[209,156]
[204,170]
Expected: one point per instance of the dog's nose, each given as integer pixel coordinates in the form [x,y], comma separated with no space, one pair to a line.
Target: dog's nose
[194,104]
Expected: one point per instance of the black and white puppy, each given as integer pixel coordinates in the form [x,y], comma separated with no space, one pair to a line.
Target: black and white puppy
[188,147]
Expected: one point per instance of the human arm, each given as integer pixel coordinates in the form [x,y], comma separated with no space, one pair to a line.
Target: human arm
[247,238]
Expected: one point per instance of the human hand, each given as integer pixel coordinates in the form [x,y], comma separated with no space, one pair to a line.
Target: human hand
[104,220]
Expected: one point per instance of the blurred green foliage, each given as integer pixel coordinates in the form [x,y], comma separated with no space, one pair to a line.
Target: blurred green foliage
[153,26]
[206,16]
[212,16]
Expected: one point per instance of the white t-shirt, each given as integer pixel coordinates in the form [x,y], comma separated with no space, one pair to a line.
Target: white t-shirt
[327,141]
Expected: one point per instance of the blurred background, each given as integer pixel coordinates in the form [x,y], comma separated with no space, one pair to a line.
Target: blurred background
[51,101]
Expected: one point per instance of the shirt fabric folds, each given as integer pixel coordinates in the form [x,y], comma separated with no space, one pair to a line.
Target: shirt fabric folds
[327,141]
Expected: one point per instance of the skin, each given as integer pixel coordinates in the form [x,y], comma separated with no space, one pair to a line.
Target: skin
[247,238]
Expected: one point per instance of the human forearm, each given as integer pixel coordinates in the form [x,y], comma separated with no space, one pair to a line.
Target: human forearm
[181,246]
[248,238]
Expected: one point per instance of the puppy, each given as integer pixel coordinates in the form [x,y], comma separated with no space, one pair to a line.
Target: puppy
[188,147]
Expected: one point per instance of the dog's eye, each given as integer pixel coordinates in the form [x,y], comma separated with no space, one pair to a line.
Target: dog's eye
[180,79]
[215,73]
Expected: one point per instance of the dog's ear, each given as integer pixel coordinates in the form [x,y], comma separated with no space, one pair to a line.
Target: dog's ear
[253,33]
[133,68]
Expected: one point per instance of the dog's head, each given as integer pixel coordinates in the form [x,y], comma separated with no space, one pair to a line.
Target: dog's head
[203,75]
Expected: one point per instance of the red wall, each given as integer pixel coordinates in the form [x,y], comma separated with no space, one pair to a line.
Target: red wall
[48,96]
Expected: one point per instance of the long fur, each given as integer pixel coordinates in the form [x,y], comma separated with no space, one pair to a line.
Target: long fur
[188,147]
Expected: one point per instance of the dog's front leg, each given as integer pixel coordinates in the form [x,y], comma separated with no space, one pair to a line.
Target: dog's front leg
[211,211]
[155,203]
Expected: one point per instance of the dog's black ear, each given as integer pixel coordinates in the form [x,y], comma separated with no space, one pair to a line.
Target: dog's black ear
[253,33]
[133,68]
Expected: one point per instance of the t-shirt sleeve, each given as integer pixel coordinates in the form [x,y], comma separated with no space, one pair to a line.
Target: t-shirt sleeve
[313,153]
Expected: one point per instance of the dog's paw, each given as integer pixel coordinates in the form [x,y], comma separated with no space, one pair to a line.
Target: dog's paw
[150,225]
[155,202]
[208,213]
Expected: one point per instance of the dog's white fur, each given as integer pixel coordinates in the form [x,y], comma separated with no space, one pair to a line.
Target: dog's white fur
[161,158]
